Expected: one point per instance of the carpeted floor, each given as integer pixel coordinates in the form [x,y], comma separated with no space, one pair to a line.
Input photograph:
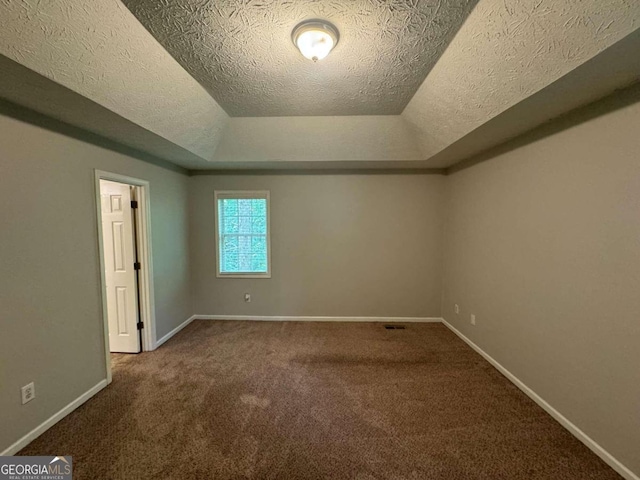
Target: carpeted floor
[298,400]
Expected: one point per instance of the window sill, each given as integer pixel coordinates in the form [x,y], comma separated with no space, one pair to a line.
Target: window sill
[243,275]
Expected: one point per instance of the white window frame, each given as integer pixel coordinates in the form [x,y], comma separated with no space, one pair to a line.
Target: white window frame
[242,194]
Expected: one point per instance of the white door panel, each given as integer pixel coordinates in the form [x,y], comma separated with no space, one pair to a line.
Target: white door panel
[120,275]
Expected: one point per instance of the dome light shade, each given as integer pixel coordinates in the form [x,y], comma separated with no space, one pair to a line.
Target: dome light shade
[315,38]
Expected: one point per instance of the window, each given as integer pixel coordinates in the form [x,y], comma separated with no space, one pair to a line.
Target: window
[242,234]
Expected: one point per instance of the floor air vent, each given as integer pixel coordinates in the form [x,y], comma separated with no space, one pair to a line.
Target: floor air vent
[395,327]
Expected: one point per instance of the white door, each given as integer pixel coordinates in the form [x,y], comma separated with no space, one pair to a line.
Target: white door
[120,274]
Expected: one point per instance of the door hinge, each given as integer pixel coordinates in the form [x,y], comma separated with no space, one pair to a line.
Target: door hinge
[140,325]
[136,266]
[134,204]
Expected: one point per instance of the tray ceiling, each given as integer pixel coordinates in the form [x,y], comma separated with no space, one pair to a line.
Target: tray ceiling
[241,51]
[509,67]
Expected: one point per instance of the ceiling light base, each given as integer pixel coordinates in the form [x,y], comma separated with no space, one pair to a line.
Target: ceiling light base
[315,38]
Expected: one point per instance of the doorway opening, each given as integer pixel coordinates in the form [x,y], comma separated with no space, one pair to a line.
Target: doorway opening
[124,237]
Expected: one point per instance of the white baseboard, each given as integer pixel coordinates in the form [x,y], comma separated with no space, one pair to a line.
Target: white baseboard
[162,340]
[277,318]
[566,423]
[51,421]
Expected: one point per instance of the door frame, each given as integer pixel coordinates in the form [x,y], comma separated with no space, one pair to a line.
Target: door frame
[145,279]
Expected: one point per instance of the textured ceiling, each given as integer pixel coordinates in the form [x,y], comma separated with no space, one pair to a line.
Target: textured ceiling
[484,88]
[506,51]
[61,109]
[241,51]
[99,50]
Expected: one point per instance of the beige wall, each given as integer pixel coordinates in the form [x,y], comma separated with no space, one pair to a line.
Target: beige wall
[342,245]
[338,139]
[51,315]
[543,245]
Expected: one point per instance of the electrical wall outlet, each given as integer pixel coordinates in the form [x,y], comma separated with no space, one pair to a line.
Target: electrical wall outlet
[456,308]
[247,297]
[28,393]
[473,319]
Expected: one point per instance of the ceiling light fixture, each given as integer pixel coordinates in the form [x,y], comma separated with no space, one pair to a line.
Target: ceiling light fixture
[315,38]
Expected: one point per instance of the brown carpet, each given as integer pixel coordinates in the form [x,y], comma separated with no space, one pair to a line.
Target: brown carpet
[297,400]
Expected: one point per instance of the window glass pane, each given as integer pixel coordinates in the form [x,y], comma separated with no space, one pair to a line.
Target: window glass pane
[245,263]
[230,225]
[244,207]
[259,225]
[258,262]
[244,224]
[259,207]
[231,263]
[230,207]
[230,244]
[245,245]
[220,215]
[259,245]
[259,257]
